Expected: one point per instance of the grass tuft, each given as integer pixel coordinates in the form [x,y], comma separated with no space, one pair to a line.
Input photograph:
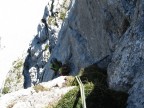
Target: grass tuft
[97,93]
[62,15]
[5,90]
[39,88]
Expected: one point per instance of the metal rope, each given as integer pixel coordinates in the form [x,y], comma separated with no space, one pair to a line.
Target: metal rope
[81,91]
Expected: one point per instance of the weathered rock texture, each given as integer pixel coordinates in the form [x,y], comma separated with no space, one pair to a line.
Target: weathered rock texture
[126,69]
[44,42]
[40,96]
[92,30]
[14,79]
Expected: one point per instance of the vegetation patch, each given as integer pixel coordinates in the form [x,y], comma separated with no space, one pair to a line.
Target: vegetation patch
[46,47]
[70,81]
[52,21]
[8,80]
[14,80]
[5,90]
[18,64]
[39,88]
[62,15]
[59,68]
[97,93]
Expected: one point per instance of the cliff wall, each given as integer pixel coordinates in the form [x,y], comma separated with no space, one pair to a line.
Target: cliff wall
[89,31]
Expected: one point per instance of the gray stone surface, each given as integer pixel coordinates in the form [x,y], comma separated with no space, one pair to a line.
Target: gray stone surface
[82,40]
[125,72]
[14,78]
[49,94]
[92,30]
[44,42]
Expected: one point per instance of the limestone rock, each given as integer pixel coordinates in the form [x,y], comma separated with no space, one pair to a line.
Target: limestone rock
[39,96]
[33,74]
[82,40]
[42,32]
[14,79]
[125,72]
[44,42]
[92,30]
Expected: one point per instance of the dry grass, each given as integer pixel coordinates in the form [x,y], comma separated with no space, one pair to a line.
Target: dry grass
[39,88]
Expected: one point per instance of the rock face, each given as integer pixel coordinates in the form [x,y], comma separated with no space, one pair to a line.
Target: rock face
[41,96]
[92,30]
[44,42]
[126,69]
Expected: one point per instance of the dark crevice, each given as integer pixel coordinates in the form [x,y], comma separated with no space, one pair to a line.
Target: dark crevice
[125,25]
[52,14]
